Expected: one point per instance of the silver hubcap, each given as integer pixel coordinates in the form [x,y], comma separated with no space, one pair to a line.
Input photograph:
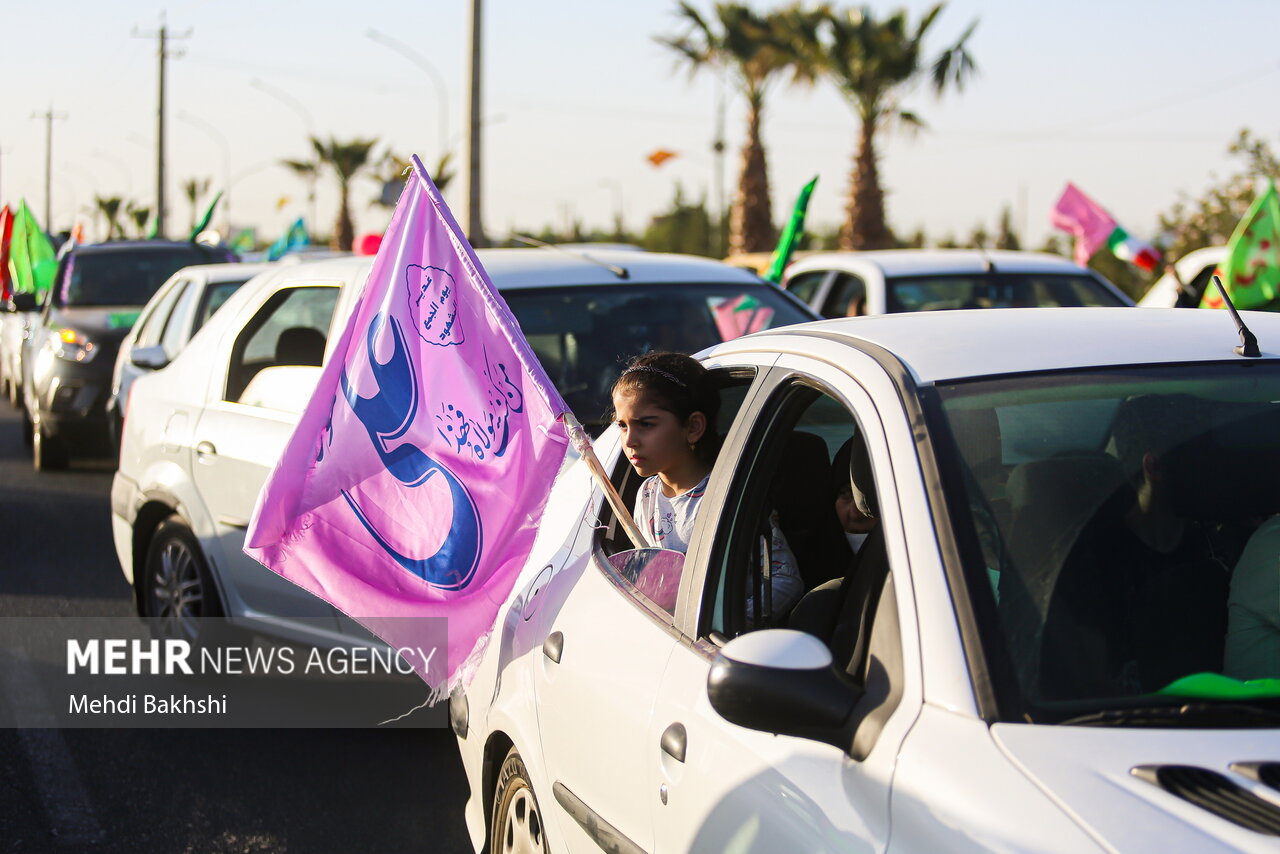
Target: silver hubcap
[176,591]
[522,826]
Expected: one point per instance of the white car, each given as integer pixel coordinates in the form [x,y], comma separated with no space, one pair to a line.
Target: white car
[1194,270]
[842,284]
[172,315]
[1001,667]
[201,435]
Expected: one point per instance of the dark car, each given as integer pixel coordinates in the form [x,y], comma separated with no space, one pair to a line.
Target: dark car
[97,295]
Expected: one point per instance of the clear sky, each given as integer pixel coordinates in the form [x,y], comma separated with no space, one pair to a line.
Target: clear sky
[1136,102]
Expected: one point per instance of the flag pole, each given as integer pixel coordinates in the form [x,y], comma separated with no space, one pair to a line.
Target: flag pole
[582,443]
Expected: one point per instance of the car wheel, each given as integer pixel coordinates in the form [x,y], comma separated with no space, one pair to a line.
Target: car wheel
[517,826]
[179,593]
[47,452]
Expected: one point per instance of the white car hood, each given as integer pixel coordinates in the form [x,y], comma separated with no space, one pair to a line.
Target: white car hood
[1088,771]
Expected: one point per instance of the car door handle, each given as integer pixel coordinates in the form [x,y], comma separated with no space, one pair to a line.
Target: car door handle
[553,646]
[674,741]
[206,449]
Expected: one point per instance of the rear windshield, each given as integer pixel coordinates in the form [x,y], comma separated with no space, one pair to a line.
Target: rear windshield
[585,335]
[996,290]
[124,276]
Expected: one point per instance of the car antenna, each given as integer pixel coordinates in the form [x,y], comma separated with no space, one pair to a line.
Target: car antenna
[1248,342]
[988,265]
[619,271]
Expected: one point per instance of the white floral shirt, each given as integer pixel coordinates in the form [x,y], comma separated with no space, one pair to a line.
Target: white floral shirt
[667,523]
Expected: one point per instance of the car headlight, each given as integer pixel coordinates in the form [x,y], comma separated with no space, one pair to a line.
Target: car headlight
[72,345]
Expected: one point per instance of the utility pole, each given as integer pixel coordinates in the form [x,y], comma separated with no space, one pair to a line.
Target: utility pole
[473,219]
[163,53]
[717,149]
[48,115]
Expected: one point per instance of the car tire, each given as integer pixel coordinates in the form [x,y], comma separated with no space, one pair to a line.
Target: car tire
[178,595]
[516,824]
[48,453]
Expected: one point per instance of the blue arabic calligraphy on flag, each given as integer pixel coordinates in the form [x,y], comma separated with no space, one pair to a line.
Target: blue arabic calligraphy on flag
[416,477]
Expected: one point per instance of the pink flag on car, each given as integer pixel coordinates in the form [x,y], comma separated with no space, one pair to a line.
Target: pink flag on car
[415,480]
[1080,215]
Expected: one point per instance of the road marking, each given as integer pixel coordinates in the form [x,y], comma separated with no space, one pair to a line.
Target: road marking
[66,803]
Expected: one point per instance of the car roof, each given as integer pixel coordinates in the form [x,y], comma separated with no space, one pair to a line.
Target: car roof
[532,268]
[233,272]
[134,245]
[912,262]
[939,346]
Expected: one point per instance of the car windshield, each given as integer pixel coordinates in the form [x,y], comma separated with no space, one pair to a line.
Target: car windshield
[1123,531]
[123,276]
[995,290]
[584,335]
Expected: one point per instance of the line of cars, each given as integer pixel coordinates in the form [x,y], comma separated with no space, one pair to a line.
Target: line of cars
[905,676]
[58,356]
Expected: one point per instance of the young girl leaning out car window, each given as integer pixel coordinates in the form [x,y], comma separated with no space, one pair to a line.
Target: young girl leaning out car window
[665,405]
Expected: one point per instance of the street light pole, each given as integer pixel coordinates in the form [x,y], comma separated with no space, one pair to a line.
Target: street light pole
[48,115]
[473,218]
[309,123]
[163,53]
[442,92]
[217,136]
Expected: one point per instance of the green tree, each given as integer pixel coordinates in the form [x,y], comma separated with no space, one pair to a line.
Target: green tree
[752,48]
[347,160]
[875,63]
[685,228]
[1209,220]
[109,207]
[194,189]
[1006,237]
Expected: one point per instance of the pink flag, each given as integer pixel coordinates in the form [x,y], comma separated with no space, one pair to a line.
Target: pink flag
[1082,216]
[415,480]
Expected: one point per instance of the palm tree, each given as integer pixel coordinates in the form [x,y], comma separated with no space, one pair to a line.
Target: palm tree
[140,214]
[874,63]
[193,189]
[347,159]
[753,48]
[391,174]
[109,207]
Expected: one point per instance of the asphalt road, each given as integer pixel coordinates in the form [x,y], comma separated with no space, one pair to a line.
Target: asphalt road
[185,791]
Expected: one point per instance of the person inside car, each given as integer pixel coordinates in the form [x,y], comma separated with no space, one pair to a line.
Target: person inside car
[665,406]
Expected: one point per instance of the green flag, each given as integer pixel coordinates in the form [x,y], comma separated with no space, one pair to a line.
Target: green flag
[244,241]
[32,259]
[791,234]
[204,220]
[1251,270]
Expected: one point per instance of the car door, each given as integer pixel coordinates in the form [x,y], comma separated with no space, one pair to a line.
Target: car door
[235,445]
[714,786]
[607,648]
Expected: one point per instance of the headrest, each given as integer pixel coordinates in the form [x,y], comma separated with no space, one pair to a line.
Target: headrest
[852,466]
[300,345]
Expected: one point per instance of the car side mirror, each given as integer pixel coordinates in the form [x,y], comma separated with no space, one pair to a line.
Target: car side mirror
[152,357]
[783,681]
[23,302]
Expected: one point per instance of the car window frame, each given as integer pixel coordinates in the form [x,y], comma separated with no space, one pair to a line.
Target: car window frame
[259,318]
[179,320]
[607,530]
[160,307]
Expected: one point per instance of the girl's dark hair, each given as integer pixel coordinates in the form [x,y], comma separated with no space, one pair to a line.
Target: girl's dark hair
[679,384]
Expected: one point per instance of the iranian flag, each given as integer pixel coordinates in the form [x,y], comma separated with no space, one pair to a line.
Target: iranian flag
[1094,228]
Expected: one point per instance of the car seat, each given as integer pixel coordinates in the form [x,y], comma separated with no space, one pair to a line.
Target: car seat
[802,495]
[300,345]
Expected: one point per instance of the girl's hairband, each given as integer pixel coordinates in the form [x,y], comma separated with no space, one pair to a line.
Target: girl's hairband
[664,374]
